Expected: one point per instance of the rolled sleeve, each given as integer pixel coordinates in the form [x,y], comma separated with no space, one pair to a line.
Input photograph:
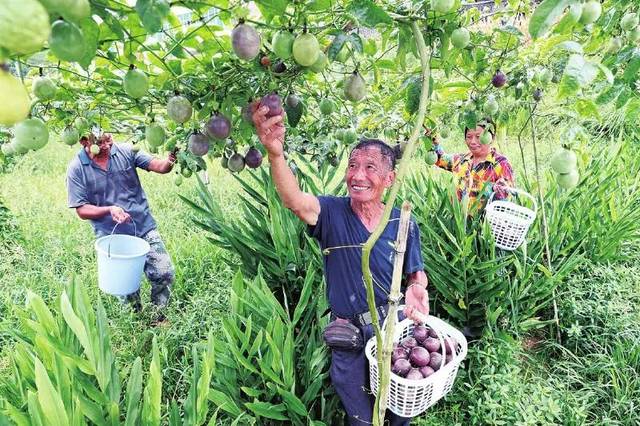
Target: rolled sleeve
[76,189]
[142,160]
[138,159]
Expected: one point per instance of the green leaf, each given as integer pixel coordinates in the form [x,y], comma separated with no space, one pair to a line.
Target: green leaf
[368,13]
[587,109]
[571,46]
[356,42]
[294,114]
[318,5]
[224,402]
[610,94]
[152,13]
[336,45]
[271,8]
[266,410]
[134,391]
[631,71]
[578,74]
[545,16]
[152,402]
[91,33]
[293,402]
[49,398]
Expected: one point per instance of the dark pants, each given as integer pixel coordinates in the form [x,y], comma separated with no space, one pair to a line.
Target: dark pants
[350,377]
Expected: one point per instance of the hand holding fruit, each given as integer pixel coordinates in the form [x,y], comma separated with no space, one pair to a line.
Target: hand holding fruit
[501,188]
[119,215]
[417,300]
[270,129]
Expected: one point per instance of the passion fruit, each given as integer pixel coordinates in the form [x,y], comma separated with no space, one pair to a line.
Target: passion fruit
[591,11]
[66,41]
[245,41]
[568,180]
[460,38]
[253,158]
[499,79]
[44,88]
[282,44]
[179,109]
[135,83]
[236,163]
[629,21]
[15,103]
[564,161]
[273,102]
[326,106]
[218,127]
[355,88]
[70,136]
[320,64]
[306,49]
[24,26]
[31,134]
[442,6]
[155,135]
[198,144]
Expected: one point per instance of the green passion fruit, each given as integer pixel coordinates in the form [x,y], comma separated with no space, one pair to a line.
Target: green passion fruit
[31,134]
[282,44]
[44,88]
[564,161]
[179,109]
[155,135]
[306,49]
[355,88]
[135,83]
[15,103]
[66,41]
[460,38]
[24,26]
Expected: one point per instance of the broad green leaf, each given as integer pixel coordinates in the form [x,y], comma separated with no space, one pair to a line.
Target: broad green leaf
[336,45]
[91,32]
[134,391]
[293,402]
[76,325]
[571,46]
[587,109]
[368,13]
[294,114]
[152,13]
[152,401]
[631,71]
[224,402]
[271,8]
[578,74]
[610,94]
[266,410]
[318,5]
[48,398]
[606,72]
[545,15]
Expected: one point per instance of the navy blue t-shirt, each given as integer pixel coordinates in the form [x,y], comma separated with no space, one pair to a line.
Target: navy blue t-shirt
[341,235]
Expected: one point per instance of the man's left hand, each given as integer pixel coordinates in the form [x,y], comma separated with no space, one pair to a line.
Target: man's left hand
[417,300]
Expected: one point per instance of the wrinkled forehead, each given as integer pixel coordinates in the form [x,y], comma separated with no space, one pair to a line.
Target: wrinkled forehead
[368,153]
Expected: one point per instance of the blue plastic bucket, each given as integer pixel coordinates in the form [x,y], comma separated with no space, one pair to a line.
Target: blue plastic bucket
[121,260]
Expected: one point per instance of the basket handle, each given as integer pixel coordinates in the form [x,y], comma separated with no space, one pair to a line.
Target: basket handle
[135,233]
[518,192]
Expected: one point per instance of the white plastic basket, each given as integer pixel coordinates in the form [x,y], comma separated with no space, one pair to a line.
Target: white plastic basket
[409,398]
[509,221]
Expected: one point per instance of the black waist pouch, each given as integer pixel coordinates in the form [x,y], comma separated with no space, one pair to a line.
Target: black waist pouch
[343,336]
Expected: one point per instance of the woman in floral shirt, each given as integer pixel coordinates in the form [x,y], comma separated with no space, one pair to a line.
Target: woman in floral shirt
[480,171]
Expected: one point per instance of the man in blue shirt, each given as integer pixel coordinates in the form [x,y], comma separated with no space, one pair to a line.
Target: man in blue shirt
[342,225]
[105,189]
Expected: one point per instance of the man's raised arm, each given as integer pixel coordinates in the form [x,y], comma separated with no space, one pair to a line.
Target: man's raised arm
[271,133]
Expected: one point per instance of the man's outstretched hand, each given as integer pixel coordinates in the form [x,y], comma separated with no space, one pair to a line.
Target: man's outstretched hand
[270,130]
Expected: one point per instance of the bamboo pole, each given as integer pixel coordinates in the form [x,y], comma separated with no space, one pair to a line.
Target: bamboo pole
[393,193]
[384,352]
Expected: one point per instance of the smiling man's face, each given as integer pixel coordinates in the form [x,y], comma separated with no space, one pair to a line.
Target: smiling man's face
[368,174]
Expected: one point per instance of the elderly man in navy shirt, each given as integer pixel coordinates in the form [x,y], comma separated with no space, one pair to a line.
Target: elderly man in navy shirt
[105,189]
[342,225]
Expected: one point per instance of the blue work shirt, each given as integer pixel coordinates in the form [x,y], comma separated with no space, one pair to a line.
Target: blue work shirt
[119,185]
[341,234]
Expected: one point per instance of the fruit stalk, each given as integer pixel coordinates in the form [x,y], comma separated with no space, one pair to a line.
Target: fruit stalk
[384,353]
[393,193]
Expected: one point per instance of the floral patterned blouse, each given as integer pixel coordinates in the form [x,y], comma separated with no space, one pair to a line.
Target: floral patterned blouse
[475,183]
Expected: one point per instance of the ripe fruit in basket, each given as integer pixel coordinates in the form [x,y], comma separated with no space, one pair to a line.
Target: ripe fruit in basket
[419,357]
[431,344]
[435,361]
[398,353]
[401,367]
[426,371]
[414,374]
[409,343]
[420,333]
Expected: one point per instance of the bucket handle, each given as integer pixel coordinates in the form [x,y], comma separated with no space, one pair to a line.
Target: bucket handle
[135,233]
[518,192]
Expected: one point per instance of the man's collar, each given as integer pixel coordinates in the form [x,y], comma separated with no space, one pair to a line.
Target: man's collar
[84,157]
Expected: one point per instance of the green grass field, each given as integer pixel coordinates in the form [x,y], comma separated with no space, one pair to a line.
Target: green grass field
[591,380]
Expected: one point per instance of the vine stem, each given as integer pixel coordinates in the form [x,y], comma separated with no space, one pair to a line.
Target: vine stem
[383,364]
[545,226]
